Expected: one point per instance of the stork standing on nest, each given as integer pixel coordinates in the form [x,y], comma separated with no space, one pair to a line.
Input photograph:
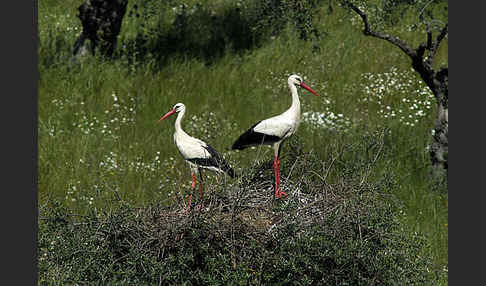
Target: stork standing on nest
[275,130]
[197,153]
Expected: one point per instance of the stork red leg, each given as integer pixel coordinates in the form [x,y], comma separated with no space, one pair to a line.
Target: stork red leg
[275,168]
[190,196]
[278,191]
[200,190]
[278,179]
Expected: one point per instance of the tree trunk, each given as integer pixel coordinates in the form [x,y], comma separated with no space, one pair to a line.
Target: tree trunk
[101,20]
[439,150]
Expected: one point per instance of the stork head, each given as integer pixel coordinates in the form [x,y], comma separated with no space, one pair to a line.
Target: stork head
[179,107]
[297,81]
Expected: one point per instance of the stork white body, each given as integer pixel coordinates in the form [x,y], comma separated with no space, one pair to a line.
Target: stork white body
[282,125]
[197,153]
[192,149]
[276,129]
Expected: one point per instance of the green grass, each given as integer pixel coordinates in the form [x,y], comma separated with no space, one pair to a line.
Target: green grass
[99,139]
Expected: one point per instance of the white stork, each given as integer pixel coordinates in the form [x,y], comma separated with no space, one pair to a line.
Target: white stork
[197,153]
[274,130]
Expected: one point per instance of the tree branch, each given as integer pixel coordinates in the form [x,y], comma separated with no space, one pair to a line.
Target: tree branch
[435,44]
[429,37]
[367,31]
[423,67]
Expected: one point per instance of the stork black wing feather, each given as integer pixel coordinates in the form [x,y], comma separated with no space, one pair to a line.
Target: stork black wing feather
[215,160]
[251,138]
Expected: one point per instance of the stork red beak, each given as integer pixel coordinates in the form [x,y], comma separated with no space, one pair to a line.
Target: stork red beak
[302,84]
[172,111]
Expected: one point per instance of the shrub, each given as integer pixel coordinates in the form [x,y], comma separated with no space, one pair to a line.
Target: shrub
[341,230]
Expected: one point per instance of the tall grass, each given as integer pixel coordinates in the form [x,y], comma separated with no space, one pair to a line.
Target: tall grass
[99,140]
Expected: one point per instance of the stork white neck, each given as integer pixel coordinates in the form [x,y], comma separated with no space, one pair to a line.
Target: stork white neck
[177,124]
[294,109]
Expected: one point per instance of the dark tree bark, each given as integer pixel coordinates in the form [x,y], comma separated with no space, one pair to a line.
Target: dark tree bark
[437,81]
[101,20]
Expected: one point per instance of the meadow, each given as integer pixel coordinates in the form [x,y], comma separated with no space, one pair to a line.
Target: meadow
[99,142]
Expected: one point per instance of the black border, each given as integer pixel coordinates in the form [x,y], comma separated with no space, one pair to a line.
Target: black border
[19,144]
[466,189]
[35,75]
